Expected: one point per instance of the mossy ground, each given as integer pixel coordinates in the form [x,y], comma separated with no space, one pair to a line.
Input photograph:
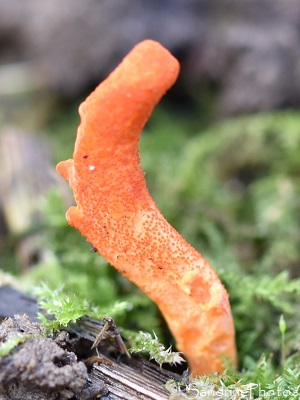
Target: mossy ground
[232,189]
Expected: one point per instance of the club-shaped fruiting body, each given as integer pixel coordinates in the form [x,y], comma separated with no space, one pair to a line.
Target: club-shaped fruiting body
[116,213]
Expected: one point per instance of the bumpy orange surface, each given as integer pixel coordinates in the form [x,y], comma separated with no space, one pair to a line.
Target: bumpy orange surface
[118,216]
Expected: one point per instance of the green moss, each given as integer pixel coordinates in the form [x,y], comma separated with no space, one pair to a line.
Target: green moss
[144,342]
[11,343]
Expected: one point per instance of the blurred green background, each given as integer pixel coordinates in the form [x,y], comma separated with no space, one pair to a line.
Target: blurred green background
[221,152]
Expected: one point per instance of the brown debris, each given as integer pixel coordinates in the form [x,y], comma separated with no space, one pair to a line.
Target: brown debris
[39,364]
[47,368]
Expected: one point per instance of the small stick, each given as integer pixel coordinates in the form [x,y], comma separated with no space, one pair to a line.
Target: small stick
[110,330]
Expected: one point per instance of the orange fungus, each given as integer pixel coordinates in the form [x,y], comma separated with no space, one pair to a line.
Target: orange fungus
[116,213]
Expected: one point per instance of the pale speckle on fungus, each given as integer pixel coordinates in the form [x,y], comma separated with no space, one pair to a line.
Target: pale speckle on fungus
[137,239]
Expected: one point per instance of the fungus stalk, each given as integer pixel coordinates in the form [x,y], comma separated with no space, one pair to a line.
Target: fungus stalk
[116,213]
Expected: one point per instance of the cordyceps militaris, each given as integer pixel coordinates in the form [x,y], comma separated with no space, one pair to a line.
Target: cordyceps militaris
[116,213]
